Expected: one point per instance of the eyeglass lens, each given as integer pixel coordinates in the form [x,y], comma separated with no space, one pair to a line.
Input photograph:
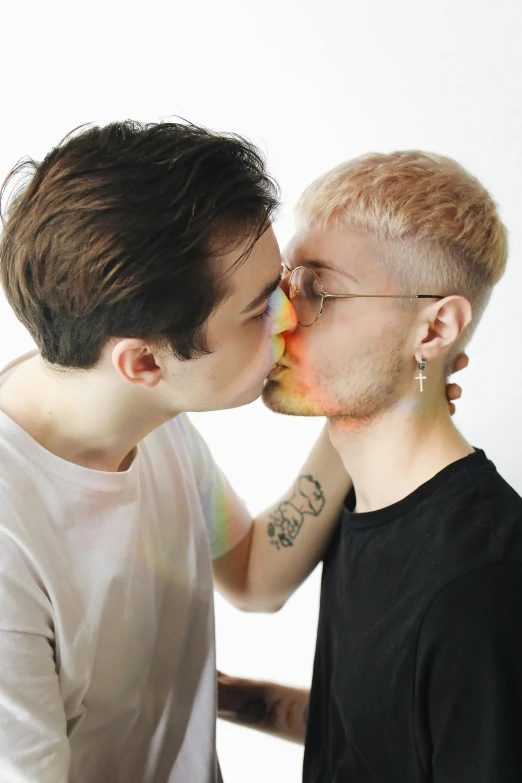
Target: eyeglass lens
[305,295]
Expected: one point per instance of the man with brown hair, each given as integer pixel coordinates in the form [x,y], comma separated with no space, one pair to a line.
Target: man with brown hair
[143,263]
[418,666]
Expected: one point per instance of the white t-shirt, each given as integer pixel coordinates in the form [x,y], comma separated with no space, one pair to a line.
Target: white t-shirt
[107,652]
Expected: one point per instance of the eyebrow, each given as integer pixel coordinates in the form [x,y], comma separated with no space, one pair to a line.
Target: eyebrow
[267,291]
[318,265]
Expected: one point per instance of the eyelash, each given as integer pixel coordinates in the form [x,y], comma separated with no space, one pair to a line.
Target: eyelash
[265,314]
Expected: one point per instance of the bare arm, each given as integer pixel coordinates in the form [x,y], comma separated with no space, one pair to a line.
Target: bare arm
[288,540]
[273,709]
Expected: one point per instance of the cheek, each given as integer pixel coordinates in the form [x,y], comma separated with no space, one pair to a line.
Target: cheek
[251,349]
[310,351]
[255,341]
[365,328]
[390,331]
[326,354]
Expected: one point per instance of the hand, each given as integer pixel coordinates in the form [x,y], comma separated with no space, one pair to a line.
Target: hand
[453,390]
[241,700]
[225,700]
[279,710]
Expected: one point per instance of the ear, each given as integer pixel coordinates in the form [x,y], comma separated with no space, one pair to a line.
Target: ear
[136,362]
[443,323]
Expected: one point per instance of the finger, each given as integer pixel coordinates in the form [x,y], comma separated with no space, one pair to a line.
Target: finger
[452,409]
[223,679]
[461,362]
[453,391]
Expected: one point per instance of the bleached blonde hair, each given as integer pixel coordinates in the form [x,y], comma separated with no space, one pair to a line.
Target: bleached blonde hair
[435,228]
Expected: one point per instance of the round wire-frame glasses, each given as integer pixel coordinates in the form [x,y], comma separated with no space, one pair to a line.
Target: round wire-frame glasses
[307,294]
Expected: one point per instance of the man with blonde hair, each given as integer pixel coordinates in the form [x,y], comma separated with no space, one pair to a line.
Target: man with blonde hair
[418,667]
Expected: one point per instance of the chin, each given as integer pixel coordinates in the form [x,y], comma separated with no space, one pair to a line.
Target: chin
[281,400]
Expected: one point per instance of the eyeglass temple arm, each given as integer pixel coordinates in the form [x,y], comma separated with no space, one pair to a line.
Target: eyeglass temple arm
[383,296]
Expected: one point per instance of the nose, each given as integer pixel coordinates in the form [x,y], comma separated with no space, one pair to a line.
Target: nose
[285,318]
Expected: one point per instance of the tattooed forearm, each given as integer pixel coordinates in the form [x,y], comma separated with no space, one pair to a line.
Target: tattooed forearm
[281,715]
[287,520]
[275,709]
[252,711]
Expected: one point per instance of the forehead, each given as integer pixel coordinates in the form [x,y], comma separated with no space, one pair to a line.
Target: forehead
[349,250]
[262,266]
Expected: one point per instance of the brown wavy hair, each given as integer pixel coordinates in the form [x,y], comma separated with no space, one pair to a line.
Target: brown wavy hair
[115,234]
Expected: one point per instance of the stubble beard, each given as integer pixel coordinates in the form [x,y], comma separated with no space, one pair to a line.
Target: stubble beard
[351,405]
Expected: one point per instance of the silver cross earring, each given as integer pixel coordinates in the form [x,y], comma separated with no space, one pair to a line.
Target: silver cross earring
[420,377]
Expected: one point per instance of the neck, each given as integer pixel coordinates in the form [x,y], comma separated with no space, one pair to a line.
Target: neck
[394,454]
[93,419]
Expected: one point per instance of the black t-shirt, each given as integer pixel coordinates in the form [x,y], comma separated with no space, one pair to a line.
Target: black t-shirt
[418,666]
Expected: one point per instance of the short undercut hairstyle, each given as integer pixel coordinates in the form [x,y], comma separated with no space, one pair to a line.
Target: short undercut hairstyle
[435,228]
[116,233]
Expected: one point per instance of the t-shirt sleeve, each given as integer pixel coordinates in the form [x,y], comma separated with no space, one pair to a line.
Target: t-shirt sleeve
[226,515]
[469,679]
[33,737]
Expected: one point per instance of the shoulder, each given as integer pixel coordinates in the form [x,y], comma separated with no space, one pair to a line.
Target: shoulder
[20,503]
[476,607]
[472,524]
[25,602]
[497,502]
[15,362]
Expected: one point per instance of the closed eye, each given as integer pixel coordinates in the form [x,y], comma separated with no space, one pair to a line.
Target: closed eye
[269,311]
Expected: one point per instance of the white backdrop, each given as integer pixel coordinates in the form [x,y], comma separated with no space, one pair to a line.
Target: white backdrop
[313,84]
